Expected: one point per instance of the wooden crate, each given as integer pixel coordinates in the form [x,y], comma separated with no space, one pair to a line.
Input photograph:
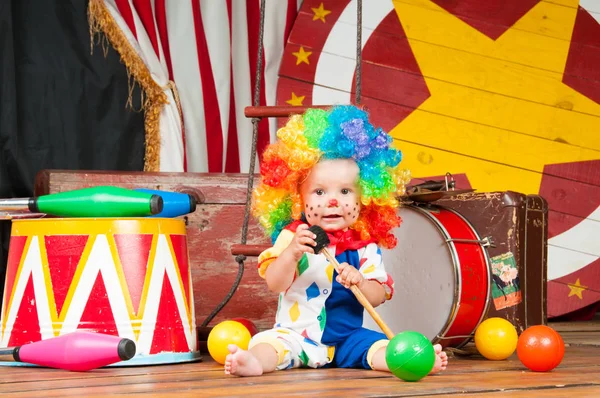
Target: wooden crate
[212,229]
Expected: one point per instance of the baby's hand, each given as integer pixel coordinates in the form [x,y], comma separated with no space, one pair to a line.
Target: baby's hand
[302,242]
[348,275]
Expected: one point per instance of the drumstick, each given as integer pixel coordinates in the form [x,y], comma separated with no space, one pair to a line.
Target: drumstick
[322,240]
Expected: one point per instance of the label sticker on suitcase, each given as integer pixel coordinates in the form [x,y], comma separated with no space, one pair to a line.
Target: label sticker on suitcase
[506,290]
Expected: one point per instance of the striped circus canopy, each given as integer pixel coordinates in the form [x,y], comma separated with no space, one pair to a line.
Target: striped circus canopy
[196,61]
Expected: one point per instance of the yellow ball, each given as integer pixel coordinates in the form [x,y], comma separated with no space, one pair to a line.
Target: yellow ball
[223,334]
[496,339]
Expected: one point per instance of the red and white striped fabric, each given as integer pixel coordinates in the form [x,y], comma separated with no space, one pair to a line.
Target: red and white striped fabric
[209,49]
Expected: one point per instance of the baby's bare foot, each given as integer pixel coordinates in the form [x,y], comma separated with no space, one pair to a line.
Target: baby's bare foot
[241,363]
[441,360]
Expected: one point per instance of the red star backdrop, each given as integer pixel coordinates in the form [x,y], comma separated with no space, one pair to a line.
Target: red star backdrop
[504,92]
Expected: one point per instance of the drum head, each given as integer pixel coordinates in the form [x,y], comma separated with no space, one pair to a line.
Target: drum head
[425,279]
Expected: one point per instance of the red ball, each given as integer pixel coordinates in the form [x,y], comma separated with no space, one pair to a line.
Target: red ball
[540,348]
[248,324]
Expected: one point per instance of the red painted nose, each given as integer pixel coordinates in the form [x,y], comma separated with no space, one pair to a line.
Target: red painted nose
[333,202]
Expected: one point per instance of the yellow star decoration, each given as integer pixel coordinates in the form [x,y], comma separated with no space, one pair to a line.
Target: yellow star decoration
[498,109]
[576,289]
[320,13]
[302,56]
[295,100]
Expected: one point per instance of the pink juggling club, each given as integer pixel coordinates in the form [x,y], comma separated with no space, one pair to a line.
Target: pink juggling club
[78,351]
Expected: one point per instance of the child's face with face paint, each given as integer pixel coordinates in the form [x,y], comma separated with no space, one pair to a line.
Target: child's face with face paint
[331,194]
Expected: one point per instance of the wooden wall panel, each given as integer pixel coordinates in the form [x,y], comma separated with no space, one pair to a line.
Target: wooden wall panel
[505,93]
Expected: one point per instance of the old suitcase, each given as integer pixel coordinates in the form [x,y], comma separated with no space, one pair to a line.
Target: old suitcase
[518,226]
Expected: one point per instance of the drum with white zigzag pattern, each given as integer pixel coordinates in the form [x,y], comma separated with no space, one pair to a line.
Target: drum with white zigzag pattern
[127,277]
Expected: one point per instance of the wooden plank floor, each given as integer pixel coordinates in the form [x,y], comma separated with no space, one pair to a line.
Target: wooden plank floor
[577,376]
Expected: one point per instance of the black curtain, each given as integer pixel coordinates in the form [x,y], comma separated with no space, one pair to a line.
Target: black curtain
[61,107]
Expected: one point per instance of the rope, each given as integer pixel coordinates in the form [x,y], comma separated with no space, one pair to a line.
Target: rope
[256,102]
[240,260]
[358,50]
[255,121]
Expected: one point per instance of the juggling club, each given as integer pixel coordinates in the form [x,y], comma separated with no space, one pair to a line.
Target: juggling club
[78,351]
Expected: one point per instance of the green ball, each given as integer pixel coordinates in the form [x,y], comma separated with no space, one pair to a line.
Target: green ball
[410,356]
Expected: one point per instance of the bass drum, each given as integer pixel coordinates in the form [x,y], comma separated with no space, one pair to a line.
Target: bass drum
[441,272]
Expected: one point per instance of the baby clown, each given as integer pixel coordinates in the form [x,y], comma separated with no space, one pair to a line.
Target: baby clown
[331,199]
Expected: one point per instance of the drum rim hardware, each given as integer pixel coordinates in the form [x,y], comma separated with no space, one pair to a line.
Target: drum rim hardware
[487,241]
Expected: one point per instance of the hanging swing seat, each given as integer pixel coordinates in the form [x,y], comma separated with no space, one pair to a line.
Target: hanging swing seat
[283,111]
[248,250]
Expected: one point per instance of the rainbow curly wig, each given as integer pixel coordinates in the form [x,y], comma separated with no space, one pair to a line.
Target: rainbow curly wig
[343,132]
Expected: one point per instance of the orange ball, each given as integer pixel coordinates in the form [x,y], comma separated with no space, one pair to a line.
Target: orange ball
[540,348]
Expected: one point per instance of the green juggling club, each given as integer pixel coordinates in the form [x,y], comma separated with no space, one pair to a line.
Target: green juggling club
[101,201]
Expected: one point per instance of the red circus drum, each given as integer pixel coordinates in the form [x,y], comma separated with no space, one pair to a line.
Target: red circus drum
[128,277]
[441,273]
